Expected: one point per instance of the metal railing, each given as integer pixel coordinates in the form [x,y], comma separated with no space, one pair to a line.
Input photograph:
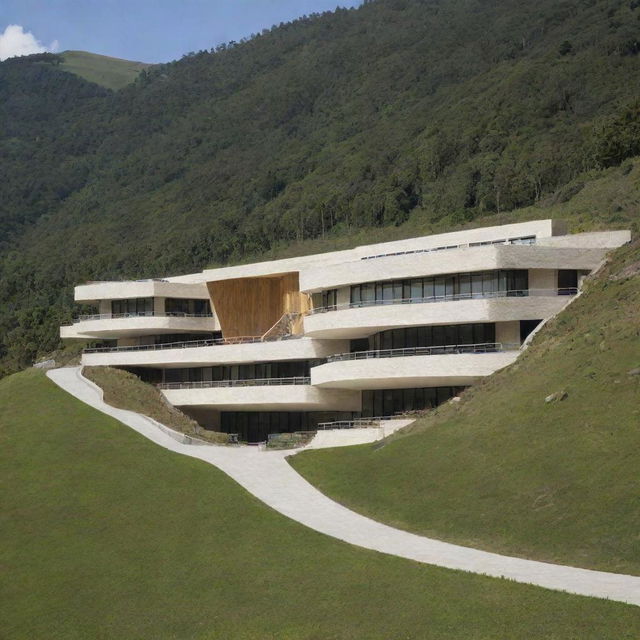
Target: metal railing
[484,347]
[187,344]
[255,382]
[503,241]
[140,314]
[357,423]
[511,293]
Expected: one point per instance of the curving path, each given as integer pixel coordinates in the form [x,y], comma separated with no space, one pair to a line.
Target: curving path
[269,477]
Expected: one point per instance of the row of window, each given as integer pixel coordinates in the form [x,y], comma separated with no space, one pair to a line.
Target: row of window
[132,305]
[459,284]
[255,426]
[254,371]
[187,306]
[430,336]
[389,402]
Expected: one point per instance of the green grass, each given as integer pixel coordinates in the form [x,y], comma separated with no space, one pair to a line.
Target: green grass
[105,535]
[126,391]
[112,73]
[502,470]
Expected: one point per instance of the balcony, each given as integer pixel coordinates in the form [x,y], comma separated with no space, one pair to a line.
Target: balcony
[265,394]
[114,325]
[359,320]
[211,352]
[449,365]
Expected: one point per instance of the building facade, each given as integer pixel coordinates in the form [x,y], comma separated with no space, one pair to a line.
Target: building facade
[373,331]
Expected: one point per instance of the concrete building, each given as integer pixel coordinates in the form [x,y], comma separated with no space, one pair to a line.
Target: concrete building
[373,331]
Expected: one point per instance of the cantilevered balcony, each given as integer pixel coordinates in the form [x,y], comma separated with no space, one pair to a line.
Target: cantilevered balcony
[361,319]
[215,351]
[263,394]
[448,365]
[114,325]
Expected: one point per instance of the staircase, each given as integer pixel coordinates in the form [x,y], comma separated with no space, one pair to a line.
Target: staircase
[283,328]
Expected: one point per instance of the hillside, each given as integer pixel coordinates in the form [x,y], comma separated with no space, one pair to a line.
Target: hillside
[112,73]
[104,534]
[502,469]
[398,115]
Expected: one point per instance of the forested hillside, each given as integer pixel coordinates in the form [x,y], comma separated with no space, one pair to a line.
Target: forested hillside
[402,114]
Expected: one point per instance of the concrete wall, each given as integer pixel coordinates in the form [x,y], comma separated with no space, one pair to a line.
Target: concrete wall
[484,258]
[299,349]
[139,289]
[543,279]
[411,371]
[508,332]
[363,321]
[137,326]
[267,398]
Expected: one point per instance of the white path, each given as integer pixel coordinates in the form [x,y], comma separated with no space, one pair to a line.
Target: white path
[270,478]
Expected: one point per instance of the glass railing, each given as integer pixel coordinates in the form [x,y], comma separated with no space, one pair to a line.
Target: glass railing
[511,293]
[483,347]
[252,382]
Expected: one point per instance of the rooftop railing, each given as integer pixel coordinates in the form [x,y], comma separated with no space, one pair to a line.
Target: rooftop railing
[483,347]
[511,293]
[517,241]
[252,382]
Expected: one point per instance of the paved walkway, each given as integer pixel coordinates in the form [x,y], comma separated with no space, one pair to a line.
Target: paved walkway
[270,478]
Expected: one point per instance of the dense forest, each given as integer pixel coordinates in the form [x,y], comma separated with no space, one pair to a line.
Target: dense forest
[400,112]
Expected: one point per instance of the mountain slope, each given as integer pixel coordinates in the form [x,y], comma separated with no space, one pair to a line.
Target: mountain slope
[105,534]
[112,73]
[504,470]
[419,112]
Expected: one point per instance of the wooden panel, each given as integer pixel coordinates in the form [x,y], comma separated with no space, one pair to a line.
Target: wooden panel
[251,306]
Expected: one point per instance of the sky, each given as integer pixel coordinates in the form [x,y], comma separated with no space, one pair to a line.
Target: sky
[143,30]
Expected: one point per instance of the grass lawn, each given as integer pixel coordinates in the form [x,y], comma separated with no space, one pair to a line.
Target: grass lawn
[105,535]
[112,73]
[502,470]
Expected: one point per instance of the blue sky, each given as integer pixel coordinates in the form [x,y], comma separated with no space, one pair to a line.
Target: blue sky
[150,30]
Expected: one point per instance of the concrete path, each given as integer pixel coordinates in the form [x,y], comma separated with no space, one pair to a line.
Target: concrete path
[331,438]
[269,477]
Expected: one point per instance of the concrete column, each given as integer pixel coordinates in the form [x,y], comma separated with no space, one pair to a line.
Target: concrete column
[543,279]
[508,332]
[104,307]
[158,306]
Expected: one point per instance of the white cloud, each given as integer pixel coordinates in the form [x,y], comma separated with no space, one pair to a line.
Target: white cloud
[15,41]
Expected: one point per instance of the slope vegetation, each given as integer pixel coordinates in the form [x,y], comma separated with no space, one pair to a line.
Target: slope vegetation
[506,471]
[126,391]
[112,73]
[427,113]
[106,535]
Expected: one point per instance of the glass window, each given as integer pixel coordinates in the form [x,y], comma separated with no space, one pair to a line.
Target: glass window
[416,288]
[476,284]
[439,287]
[368,292]
[464,285]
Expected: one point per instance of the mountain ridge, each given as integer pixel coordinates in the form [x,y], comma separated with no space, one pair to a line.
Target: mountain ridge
[399,115]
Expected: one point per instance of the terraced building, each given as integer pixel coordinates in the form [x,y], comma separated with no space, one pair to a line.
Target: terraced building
[369,332]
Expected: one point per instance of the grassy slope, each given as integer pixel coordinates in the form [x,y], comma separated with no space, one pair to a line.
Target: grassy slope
[112,73]
[126,391]
[502,470]
[105,535]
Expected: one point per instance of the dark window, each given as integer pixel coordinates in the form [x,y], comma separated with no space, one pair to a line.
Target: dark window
[567,282]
